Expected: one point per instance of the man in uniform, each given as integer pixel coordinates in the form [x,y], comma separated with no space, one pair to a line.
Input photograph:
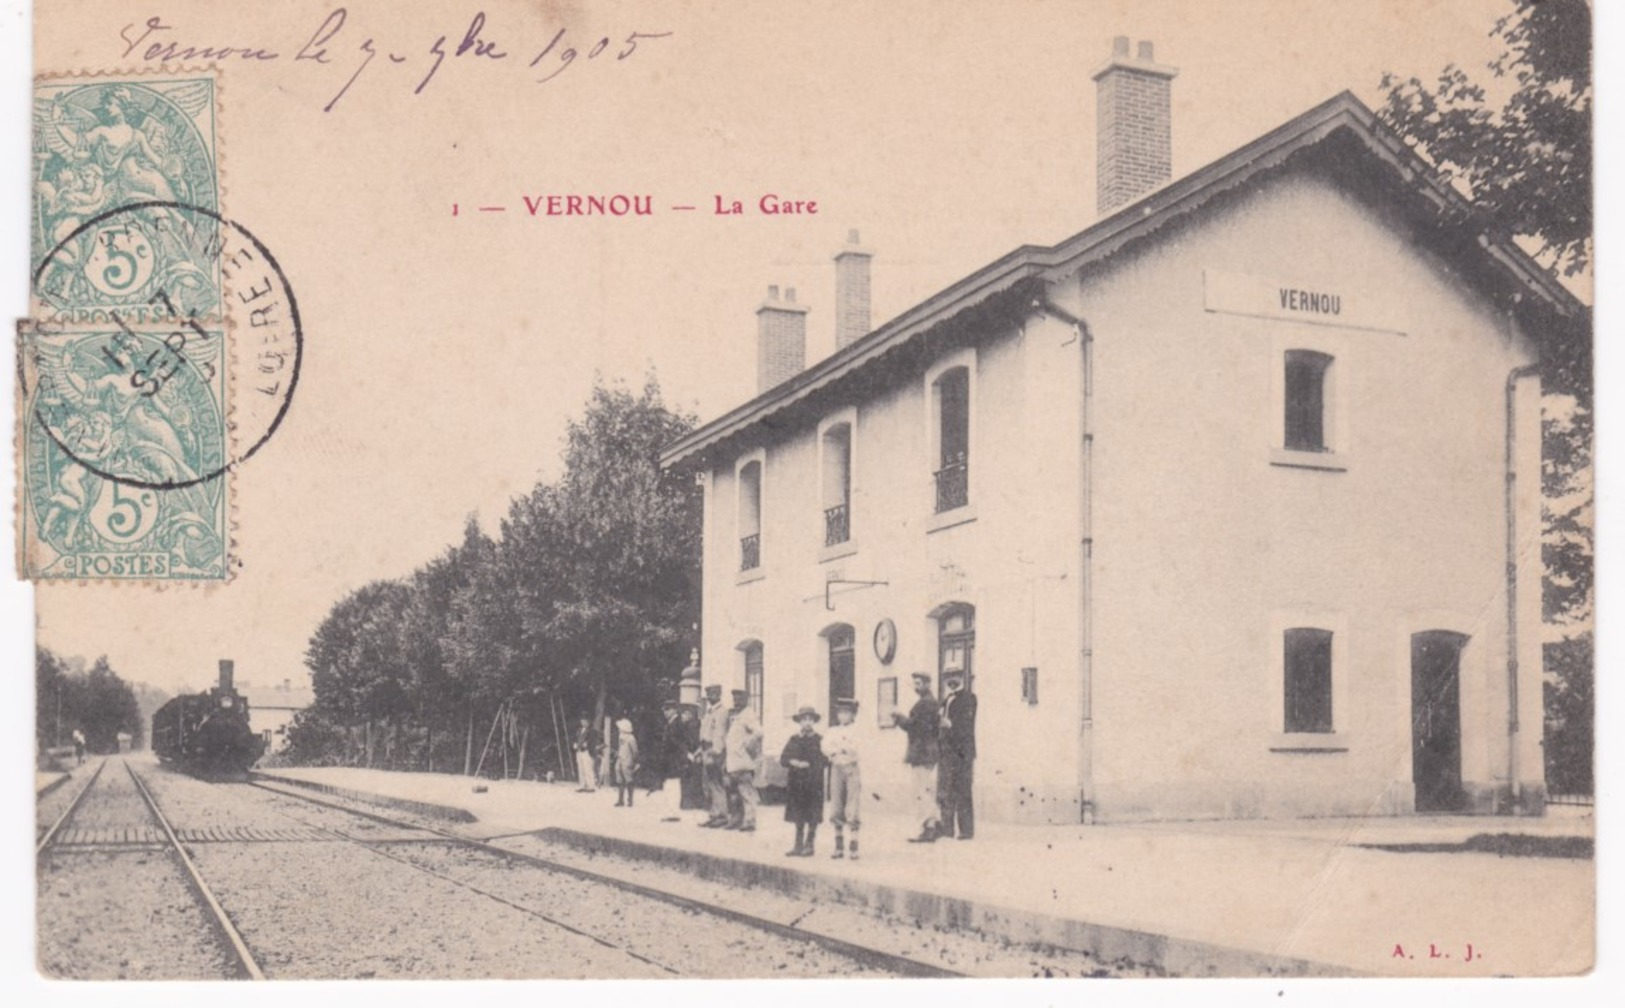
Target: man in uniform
[713,751]
[957,758]
[921,725]
[744,751]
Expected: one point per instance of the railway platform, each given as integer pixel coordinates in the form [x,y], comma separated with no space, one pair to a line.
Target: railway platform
[46,781]
[1398,896]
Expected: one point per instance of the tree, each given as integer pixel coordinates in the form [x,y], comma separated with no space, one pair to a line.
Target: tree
[629,553]
[1525,160]
[94,701]
[1526,163]
[50,700]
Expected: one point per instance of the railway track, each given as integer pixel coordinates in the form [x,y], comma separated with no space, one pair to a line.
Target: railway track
[129,838]
[55,829]
[868,957]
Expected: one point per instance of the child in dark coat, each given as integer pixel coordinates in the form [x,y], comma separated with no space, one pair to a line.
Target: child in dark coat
[804,796]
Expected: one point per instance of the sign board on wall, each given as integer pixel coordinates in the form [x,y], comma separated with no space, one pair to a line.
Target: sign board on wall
[1267,297]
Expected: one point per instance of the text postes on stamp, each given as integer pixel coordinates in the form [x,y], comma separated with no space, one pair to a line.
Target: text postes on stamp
[118,428]
[101,144]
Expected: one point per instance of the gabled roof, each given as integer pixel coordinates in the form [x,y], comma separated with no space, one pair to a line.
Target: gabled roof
[1009,283]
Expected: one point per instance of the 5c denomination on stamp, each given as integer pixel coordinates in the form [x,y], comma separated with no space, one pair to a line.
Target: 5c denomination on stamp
[105,143]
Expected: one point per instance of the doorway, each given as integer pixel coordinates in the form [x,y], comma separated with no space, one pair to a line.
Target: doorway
[1436,720]
[842,668]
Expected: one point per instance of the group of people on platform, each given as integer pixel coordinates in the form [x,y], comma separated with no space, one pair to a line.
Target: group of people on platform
[715,753]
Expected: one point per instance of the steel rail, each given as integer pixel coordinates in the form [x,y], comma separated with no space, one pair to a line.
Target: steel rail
[61,820]
[378,850]
[860,953]
[246,967]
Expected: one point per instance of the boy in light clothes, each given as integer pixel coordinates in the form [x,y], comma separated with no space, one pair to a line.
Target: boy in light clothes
[845,784]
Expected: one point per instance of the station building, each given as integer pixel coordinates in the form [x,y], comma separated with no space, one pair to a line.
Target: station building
[1229,505]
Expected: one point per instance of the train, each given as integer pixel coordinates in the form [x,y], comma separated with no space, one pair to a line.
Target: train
[208,734]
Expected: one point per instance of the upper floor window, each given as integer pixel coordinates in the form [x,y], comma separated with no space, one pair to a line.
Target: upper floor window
[1307,375]
[750,515]
[1307,665]
[837,483]
[951,405]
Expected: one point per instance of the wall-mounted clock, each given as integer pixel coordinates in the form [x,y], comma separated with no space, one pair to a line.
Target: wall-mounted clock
[885,641]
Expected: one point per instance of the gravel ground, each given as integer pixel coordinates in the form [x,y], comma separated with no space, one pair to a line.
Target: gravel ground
[963,952]
[338,911]
[121,915]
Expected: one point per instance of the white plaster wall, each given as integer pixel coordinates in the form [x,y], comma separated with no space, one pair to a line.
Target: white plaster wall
[1199,539]
[1015,562]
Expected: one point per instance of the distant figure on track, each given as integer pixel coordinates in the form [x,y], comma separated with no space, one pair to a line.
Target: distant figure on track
[585,745]
[626,763]
[79,747]
[804,795]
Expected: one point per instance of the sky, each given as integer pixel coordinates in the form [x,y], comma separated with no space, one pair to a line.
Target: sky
[444,354]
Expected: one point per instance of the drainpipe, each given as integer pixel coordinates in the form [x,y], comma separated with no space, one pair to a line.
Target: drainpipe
[1086,724]
[1510,502]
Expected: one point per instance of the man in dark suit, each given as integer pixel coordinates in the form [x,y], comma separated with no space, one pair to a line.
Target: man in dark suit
[956,761]
[923,729]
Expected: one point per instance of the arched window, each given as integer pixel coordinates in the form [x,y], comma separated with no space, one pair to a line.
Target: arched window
[1307,373]
[843,683]
[950,395]
[956,642]
[755,676]
[750,515]
[837,483]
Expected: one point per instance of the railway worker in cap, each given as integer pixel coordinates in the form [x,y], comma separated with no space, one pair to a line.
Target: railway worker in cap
[744,751]
[921,725]
[585,745]
[845,783]
[804,794]
[956,760]
[713,752]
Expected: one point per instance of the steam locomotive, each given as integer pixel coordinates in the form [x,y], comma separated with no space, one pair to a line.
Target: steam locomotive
[207,734]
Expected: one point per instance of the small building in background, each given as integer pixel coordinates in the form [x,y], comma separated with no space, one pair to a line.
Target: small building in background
[271,709]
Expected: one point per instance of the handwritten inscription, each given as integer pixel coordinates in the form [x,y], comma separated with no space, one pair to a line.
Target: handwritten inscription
[335,44]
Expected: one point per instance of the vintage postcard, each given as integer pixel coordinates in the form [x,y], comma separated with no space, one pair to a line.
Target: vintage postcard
[692,490]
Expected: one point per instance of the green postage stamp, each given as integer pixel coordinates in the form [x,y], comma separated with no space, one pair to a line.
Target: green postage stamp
[123,428]
[104,144]
[124,449]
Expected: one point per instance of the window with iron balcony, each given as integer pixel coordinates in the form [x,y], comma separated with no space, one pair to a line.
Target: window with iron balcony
[750,516]
[952,395]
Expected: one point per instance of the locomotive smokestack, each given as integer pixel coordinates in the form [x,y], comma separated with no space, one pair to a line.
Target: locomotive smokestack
[225,674]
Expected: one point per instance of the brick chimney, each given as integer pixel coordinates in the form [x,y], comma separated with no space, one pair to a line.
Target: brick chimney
[225,673]
[851,291]
[781,339]
[1133,126]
